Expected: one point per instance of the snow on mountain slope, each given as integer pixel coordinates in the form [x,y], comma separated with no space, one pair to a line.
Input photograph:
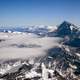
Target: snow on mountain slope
[40,30]
[31,56]
[67,28]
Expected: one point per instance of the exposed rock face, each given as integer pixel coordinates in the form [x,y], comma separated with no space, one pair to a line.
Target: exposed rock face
[64,29]
[16,71]
[61,62]
[70,33]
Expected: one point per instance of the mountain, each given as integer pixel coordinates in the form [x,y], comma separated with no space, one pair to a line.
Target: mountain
[61,62]
[40,30]
[70,33]
[67,29]
[64,28]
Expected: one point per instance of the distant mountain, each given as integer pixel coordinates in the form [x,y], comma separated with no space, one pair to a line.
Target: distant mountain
[61,62]
[64,28]
[70,32]
[67,29]
[38,30]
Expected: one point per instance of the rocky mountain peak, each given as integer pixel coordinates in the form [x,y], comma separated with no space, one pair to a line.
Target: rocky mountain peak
[67,28]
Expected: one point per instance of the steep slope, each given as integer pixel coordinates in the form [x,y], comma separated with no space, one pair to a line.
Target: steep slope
[61,62]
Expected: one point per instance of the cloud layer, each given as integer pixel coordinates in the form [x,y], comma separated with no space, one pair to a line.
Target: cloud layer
[25,45]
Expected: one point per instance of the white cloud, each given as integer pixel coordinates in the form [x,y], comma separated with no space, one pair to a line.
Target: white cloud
[8,51]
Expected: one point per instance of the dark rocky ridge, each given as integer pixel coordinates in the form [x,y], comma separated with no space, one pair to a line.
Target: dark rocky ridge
[62,61]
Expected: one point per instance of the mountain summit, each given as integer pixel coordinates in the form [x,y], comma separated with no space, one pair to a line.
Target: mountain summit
[66,28]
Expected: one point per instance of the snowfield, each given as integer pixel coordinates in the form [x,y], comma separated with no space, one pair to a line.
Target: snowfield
[24,45]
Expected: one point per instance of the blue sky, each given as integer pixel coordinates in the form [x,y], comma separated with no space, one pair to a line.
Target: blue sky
[37,12]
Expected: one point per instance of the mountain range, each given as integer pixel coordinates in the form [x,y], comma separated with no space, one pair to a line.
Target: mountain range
[61,62]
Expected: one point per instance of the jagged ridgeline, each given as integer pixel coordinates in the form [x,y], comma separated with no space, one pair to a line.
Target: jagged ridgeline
[60,62]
